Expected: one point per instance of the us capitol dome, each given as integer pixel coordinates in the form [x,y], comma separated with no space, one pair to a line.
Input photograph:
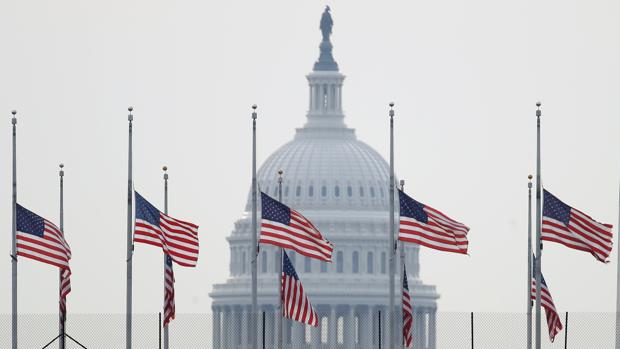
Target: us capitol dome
[341,184]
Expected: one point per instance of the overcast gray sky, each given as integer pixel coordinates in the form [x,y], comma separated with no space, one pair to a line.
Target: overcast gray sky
[464,75]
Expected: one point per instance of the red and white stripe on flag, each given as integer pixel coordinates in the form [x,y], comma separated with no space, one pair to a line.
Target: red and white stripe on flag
[169,308]
[284,227]
[177,238]
[426,226]
[574,229]
[554,324]
[407,315]
[51,248]
[65,289]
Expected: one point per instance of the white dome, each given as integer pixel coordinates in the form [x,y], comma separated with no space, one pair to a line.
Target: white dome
[327,169]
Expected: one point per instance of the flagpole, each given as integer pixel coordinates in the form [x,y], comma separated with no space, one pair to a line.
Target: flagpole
[538,259]
[129,235]
[529,262]
[254,246]
[13,237]
[402,281]
[166,334]
[279,277]
[392,247]
[61,318]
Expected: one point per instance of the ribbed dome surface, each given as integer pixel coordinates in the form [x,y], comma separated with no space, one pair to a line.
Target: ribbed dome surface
[327,169]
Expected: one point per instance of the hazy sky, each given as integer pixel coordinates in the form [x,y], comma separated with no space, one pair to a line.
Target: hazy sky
[465,76]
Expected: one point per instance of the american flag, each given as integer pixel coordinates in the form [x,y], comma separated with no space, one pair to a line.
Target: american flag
[65,288]
[575,229]
[407,312]
[287,228]
[177,238]
[554,323]
[41,240]
[295,304]
[169,309]
[423,225]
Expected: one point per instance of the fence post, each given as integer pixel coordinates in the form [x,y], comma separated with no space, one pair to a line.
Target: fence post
[472,330]
[379,329]
[159,330]
[263,330]
[566,332]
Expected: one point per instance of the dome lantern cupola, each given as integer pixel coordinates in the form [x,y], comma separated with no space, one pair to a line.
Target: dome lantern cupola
[325,83]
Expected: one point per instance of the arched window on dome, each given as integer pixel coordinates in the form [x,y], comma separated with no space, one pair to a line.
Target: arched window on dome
[372,192]
[276,261]
[264,262]
[310,191]
[381,192]
[323,191]
[349,191]
[339,262]
[370,263]
[323,267]
[298,190]
[356,262]
[307,265]
[362,192]
[337,191]
[383,262]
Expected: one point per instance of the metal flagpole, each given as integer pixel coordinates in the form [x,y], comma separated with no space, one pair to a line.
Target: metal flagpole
[538,226]
[129,236]
[254,246]
[62,322]
[618,281]
[165,255]
[529,262]
[392,247]
[13,237]
[402,280]
[279,277]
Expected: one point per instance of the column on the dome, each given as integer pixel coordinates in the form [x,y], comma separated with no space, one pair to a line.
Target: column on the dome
[217,344]
[424,327]
[349,327]
[244,327]
[315,332]
[337,98]
[333,327]
[365,325]
[226,327]
[273,315]
[384,329]
[297,334]
[432,328]
[332,97]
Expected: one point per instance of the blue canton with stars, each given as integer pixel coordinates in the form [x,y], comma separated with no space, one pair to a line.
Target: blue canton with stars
[556,209]
[287,267]
[274,211]
[411,208]
[28,222]
[145,211]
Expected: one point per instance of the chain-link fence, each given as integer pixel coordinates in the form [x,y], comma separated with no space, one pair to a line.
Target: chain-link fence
[351,330]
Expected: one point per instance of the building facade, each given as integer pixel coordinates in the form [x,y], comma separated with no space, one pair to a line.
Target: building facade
[341,185]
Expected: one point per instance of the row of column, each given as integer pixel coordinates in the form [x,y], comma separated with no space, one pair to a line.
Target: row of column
[325,97]
[340,326]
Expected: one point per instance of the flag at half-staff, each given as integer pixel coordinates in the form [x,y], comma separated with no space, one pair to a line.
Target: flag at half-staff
[424,225]
[169,310]
[572,228]
[296,305]
[177,238]
[554,324]
[284,227]
[407,312]
[41,240]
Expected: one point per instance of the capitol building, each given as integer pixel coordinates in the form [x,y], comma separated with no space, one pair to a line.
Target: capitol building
[340,184]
